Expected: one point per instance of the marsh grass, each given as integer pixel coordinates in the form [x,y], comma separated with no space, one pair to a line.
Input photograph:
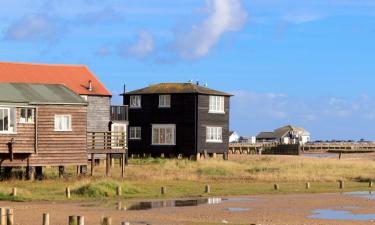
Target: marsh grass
[183,178]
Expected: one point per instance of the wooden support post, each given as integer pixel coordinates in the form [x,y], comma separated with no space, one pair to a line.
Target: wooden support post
[119,191]
[45,219]
[92,163]
[163,190]
[10,217]
[308,185]
[14,192]
[78,171]
[3,215]
[276,187]
[123,163]
[207,189]
[30,173]
[106,221]
[112,160]
[341,184]
[67,192]
[119,205]
[80,220]
[107,166]
[72,220]
[61,171]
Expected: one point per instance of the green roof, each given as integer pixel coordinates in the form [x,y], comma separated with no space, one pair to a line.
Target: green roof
[176,88]
[38,94]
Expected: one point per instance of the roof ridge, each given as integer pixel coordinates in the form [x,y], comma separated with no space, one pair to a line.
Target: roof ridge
[44,64]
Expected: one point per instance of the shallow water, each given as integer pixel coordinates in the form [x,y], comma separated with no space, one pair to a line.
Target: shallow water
[340,215]
[147,205]
[362,194]
[238,209]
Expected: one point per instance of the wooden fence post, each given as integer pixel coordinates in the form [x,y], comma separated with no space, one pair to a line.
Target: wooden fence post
[119,191]
[308,185]
[67,192]
[45,219]
[207,189]
[72,220]
[80,220]
[125,223]
[276,187]
[163,190]
[106,221]
[341,184]
[370,184]
[10,217]
[3,214]
[14,192]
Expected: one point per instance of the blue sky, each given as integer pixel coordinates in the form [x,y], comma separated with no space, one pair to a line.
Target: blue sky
[309,63]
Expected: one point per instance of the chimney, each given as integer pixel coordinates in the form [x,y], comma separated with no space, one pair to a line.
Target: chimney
[90,85]
[124,88]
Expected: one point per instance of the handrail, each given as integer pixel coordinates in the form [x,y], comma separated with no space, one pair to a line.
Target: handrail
[106,141]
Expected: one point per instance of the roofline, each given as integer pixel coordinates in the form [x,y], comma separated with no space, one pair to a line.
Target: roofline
[45,64]
[161,93]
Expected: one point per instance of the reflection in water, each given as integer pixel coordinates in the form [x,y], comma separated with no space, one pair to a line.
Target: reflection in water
[173,203]
[340,215]
[238,209]
[362,194]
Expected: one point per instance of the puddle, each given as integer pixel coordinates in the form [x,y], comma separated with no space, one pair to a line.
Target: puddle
[362,194]
[238,209]
[340,215]
[147,205]
[321,155]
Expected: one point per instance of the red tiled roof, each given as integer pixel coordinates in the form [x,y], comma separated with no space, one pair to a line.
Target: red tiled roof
[75,77]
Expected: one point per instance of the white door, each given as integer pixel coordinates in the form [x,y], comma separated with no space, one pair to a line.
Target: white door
[118,135]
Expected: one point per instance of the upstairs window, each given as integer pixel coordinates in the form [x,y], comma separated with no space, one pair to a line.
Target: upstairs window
[135,101]
[63,123]
[214,134]
[7,120]
[164,101]
[27,115]
[216,104]
[135,133]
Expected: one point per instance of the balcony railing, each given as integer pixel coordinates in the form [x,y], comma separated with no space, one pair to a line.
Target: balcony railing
[106,142]
[119,113]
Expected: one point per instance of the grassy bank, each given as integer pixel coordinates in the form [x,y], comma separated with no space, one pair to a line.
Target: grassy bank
[242,175]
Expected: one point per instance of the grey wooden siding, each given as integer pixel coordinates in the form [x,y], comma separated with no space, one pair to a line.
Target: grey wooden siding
[215,120]
[98,113]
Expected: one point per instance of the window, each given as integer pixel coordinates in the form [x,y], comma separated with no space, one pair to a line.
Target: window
[135,133]
[27,115]
[135,101]
[7,120]
[164,101]
[164,134]
[214,134]
[216,104]
[63,123]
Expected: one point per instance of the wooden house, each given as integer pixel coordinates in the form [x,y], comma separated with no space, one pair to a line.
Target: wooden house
[101,116]
[41,125]
[285,135]
[178,119]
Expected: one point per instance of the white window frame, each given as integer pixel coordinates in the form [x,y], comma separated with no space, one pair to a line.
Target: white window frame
[216,104]
[164,101]
[135,133]
[164,127]
[32,116]
[10,111]
[214,134]
[69,128]
[135,101]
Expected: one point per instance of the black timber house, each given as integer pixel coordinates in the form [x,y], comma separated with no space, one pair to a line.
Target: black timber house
[178,119]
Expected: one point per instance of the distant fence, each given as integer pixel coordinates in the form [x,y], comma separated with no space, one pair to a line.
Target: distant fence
[349,147]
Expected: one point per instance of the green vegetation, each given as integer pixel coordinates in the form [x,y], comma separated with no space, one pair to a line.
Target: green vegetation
[242,175]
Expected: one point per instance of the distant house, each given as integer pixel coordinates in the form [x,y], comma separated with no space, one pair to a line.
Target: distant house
[178,118]
[233,137]
[247,140]
[285,135]
[41,125]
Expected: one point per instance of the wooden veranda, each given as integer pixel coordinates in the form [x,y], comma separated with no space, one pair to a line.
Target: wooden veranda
[108,143]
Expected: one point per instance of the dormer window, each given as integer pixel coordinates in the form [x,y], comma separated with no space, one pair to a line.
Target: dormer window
[216,104]
[135,101]
[164,101]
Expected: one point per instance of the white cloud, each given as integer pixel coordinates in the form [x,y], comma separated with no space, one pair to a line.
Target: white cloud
[304,17]
[224,16]
[142,47]
[35,27]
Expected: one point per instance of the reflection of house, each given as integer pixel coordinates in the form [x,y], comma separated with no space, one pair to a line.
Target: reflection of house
[233,137]
[285,135]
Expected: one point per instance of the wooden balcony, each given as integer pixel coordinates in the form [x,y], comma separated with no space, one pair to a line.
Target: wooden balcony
[106,142]
[119,113]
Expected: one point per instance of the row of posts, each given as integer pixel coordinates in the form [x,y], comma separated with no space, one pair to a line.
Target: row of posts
[341,185]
